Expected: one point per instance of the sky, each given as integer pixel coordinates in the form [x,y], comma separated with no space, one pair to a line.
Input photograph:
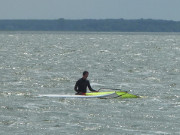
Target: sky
[90,9]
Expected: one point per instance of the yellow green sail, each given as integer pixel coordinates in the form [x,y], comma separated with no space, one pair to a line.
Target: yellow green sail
[122,94]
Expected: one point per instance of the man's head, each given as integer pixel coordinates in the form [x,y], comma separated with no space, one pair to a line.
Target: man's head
[85,74]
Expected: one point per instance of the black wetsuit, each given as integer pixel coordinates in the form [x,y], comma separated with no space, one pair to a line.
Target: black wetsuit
[81,86]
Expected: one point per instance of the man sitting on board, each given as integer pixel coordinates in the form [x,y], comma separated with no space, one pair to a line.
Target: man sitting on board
[82,84]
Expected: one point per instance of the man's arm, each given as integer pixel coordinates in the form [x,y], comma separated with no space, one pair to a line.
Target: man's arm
[90,88]
[76,87]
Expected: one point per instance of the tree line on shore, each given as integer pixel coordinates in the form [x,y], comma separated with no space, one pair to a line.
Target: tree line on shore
[100,25]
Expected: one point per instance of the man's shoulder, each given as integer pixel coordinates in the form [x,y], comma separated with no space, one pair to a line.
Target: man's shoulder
[81,79]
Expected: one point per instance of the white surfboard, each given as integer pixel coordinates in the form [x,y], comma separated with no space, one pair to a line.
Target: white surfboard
[113,95]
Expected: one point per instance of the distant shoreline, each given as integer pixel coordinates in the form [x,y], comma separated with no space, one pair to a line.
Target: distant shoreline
[91,25]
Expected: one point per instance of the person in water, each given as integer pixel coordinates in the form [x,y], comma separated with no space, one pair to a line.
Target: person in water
[82,84]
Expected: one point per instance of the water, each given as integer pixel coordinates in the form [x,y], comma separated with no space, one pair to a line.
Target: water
[146,64]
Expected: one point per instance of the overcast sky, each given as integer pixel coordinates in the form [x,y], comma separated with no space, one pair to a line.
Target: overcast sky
[90,9]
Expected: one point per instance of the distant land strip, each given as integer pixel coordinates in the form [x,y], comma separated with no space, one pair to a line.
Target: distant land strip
[100,25]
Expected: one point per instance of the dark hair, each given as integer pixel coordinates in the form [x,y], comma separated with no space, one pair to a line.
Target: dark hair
[85,72]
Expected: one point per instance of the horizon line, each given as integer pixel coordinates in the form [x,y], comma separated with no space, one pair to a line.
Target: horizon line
[96,19]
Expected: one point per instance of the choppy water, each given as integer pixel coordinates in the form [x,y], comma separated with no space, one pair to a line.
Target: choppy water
[146,64]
